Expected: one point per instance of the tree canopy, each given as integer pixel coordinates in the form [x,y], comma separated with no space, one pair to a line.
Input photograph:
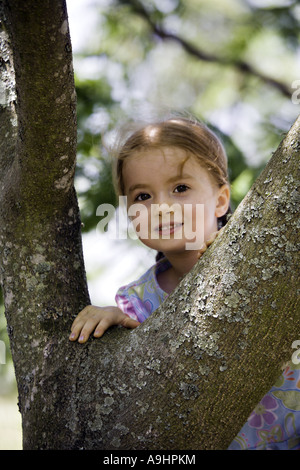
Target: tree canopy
[230,63]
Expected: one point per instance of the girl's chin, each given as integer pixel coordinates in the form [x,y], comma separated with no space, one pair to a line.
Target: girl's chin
[166,245]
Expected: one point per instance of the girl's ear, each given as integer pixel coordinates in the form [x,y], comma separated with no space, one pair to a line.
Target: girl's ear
[222,201]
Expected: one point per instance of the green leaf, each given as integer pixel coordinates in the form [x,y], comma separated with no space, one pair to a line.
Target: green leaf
[290,398]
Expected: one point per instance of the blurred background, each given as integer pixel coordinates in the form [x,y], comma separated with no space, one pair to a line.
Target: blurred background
[233,64]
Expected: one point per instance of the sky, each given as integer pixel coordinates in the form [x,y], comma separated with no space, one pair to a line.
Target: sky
[82,22]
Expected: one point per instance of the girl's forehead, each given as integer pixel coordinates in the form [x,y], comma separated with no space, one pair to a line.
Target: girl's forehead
[153,163]
[159,164]
[167,156]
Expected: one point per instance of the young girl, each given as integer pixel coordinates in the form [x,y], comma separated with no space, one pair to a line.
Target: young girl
[173,164]
[174,175]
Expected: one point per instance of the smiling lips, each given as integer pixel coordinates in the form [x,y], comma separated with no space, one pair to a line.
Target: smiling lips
[168,228]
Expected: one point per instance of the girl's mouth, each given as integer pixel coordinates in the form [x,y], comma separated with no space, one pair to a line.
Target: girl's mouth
[169,228]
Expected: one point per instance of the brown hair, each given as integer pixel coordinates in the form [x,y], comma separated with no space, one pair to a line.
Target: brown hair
[190,135]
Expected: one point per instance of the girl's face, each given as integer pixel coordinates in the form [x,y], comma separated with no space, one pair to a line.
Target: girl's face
[173,205]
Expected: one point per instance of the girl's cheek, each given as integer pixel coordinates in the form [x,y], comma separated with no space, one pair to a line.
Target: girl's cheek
[139,216]
[194,225]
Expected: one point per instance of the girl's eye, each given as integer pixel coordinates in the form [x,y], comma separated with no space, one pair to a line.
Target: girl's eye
[181,188]
[142,197]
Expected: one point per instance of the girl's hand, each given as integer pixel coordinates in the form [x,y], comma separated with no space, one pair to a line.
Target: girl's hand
[98,319]
[208,242]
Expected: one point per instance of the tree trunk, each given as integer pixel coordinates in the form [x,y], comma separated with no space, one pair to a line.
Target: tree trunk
[190,375]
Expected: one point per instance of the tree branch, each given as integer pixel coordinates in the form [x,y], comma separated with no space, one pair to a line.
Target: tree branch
[46,99]
[189,376]
[240,65]
[41,262]
[8,115]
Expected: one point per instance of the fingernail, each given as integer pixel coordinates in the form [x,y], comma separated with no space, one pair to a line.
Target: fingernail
[72,336]
[81,338]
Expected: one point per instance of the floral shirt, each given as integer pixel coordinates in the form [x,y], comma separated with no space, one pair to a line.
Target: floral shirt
[275,422]
[140,298]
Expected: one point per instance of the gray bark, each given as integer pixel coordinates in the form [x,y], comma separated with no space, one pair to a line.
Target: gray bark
[190,375]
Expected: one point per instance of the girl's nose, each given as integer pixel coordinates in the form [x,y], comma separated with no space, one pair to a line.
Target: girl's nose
[162,199]
[162,208]
[161,204]
[166,208]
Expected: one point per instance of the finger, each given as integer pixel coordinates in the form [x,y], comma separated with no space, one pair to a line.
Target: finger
[106,323]
[73,336]
[214,235]
[212,238]
[102,326]
[81,315]
[76,329]
[130,322]
[202,250]
[88,327]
